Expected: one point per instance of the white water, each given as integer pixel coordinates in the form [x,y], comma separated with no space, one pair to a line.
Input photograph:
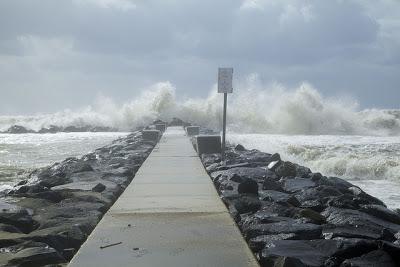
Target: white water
[252,109]
[370,162]
[330,135]
[21,153]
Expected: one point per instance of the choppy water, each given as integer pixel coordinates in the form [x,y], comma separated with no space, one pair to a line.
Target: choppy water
[371,162]
[252,108]
[330,135]
[20,153]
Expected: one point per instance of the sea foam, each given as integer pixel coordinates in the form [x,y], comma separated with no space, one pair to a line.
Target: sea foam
[253,108]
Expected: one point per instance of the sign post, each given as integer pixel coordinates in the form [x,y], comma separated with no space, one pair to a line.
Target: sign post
[225,76]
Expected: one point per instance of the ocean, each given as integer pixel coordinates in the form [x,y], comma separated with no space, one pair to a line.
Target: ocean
[333,136]
[22,153]
[370,162]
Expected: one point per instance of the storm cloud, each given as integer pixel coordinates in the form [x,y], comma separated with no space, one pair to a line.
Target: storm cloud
[63,54]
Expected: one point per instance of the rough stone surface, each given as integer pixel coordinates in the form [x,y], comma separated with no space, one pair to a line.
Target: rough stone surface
[301,218]
[46,218]
[372,259]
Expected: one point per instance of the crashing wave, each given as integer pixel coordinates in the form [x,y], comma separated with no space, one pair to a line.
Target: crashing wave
[252,108]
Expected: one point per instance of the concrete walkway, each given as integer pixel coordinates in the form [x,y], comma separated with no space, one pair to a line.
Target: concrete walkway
[170,216]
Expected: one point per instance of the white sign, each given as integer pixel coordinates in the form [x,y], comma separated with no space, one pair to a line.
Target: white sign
[225,76]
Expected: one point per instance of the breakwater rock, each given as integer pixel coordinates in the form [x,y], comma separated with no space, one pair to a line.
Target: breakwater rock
[46,218]
[291,216]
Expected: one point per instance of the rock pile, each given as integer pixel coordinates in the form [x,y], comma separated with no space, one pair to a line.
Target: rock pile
[45,219]
[291,216]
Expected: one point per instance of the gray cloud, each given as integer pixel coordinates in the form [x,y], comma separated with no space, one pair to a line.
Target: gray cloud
[62,54]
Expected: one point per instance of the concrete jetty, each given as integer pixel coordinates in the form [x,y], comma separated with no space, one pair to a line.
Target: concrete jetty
[170,215]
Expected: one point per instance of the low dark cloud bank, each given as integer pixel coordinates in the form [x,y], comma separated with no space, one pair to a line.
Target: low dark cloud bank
[62,54]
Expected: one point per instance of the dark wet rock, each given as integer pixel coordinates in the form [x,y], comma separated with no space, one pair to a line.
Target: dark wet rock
[392,249]
[301,230]
[9,228]
[272,184]
[122,171]
[53,196]
[248,186]
[238,175]
[381,212]
[119,180]
[243,203]
[397,235]
[353,247]
[234,177]
[48,177]
[301,218]
[259,242]
[68,253]
[92,197]
[18,129]
[262,217]
[26,253]
[322,196]
[278,197]
[314,204]
[117,162]
[23,182]
[345,201]
[288,262]
[69,208]
[363,198]
[218,167]
[209,159]
[213,167]
[372,259]
[63,236]
[358,219]
[61,204]
[313,216]
[297,184]
[8,239]
[315,176]
[239,147]
[36,188]
[273,165]
[80,177]
[99,188]
[303,172]
[338,183]
[31,204]
[252,156]
[314,252]
[20,190]
[36,256]
[280,209]
[80,167]
[275,157]
[84,185]
[286,169]
[17,216]
[257,174]
[332,231]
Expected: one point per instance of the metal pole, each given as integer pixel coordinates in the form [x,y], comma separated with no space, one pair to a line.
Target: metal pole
[224,129]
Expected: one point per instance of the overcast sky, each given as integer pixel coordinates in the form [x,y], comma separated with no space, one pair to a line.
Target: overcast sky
[62,54]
